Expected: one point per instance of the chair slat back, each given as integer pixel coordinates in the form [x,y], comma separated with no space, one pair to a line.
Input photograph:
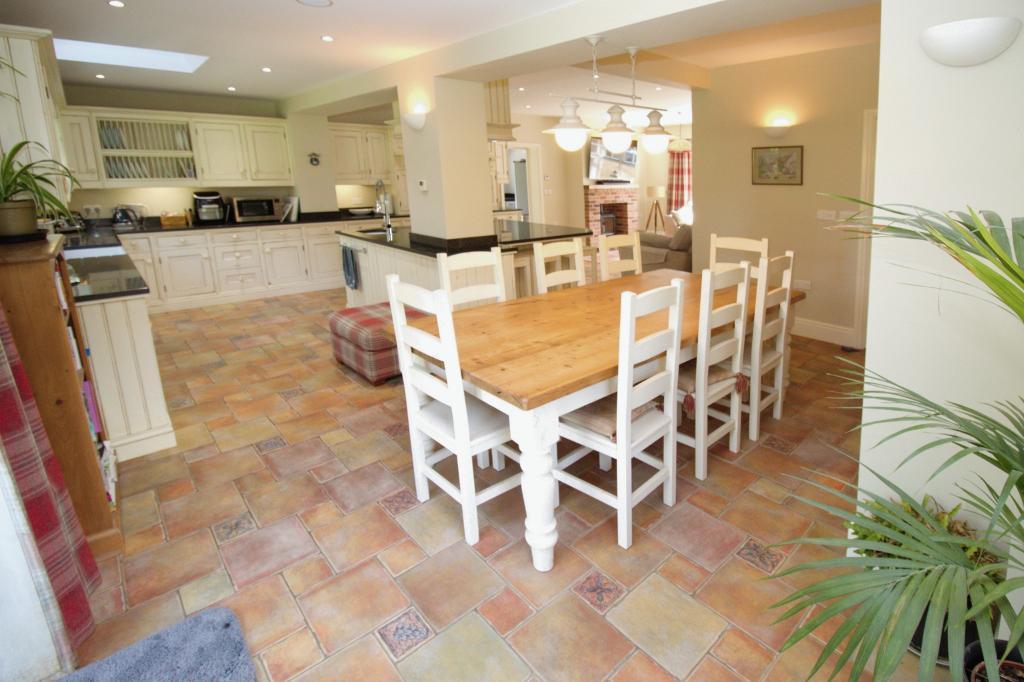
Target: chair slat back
[460,266]
[726,345]
[758,248]
[771,304]
[663,343]
[607,243]
[420,383]
[543,252]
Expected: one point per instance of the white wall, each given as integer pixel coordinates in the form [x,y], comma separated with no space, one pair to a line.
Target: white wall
[947,138]
[308,133]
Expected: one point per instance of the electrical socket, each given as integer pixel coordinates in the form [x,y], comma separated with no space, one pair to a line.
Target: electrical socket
[91,211]
[802,284]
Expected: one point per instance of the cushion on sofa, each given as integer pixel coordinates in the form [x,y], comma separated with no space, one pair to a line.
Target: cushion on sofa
[682,239]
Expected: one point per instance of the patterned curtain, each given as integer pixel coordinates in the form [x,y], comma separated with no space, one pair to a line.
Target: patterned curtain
[66,558]
[680,180]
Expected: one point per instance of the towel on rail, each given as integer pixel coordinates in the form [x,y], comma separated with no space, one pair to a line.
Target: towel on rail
[351,269]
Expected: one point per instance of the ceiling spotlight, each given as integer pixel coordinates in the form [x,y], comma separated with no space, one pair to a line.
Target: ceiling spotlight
[266,69]
[522,89]
[327,39]
[657,88]
[529,106]
[231,88]
[616,136]
[315,3]
[100,76]
[115,3]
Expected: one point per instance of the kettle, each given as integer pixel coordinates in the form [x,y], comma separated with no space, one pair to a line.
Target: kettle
[125,217]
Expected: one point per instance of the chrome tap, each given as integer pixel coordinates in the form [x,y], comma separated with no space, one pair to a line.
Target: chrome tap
[384,207]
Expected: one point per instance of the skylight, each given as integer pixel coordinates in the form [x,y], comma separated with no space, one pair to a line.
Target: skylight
[122,55]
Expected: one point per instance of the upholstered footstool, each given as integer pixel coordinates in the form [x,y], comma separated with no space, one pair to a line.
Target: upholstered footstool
[359,341]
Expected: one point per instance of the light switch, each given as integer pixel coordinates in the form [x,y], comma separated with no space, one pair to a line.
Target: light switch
[422,184]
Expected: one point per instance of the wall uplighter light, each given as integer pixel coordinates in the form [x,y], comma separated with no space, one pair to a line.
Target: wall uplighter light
[417,118]
[778,126]
[969,42]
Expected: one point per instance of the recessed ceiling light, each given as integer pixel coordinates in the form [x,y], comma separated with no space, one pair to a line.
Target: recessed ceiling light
[315,3]
[522,89]
[327,39]
[266,69]
[657,88]
[100,76]
[529,106]
[231,88]
[115,3]
[122,55]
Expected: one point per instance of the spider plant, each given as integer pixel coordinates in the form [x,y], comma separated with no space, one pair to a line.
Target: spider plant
[913,567]
[34,181]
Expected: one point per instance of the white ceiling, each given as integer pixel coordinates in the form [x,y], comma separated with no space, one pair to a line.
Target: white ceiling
[569,81]
[241,36]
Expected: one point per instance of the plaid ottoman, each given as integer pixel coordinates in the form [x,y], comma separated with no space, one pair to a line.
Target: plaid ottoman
[359,341]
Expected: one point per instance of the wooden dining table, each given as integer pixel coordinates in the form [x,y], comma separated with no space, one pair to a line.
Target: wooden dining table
[538,358]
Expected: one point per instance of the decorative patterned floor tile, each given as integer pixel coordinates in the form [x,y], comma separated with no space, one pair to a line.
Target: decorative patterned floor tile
[599,591]
[270,444]
[399,502]
[404,633]
[234,527]
[761,556]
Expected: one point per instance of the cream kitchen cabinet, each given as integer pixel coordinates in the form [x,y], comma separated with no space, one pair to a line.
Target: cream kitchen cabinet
[139,251]
[362,154]
[269,158]
[80,149]
[378,159]
[324,257]
[186,272]
[349,151]
[285,262]
[220,153]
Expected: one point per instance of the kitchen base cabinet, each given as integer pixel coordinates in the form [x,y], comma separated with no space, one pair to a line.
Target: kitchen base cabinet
[324,257]
[285,262]
[238,281]
[186,272]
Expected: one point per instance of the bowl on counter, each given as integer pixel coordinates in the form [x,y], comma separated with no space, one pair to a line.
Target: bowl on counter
[361,211]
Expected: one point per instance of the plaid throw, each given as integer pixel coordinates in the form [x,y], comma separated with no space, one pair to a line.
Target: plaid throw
[67,559]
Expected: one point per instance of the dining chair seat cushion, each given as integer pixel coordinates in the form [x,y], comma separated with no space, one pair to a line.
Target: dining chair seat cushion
[484,420]
[599,416]
[716,374]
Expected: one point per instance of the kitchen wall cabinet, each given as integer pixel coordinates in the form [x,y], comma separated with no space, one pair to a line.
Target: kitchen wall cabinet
[362,154]
[186,272]
[80,149]
[219,152]
[269,160]
[377,155]
[349,150]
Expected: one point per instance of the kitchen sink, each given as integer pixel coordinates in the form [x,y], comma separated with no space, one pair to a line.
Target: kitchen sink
[373,231]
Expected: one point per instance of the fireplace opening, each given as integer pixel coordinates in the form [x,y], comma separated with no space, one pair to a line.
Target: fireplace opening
[614,218]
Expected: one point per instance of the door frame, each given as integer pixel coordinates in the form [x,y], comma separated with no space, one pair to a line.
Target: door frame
[867,193]
[535,178]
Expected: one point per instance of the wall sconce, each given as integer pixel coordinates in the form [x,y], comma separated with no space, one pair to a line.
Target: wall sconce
[417,118]
[778,127]
[969,42]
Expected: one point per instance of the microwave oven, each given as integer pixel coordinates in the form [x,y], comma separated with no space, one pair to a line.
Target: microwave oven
[251,210]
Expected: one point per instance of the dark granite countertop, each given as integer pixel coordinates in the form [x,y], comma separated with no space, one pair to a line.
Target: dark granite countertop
[507,233]
[104,272]
[523,232]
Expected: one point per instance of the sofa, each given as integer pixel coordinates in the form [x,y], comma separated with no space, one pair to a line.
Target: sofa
[662,251]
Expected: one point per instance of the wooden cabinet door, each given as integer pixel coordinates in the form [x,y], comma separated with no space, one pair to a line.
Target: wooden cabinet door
[220,153]
[80,150]
[400,192]
[324,257]
[377,156]
[284,262]
[269,160]
[186,272]
[348,147]
[144,264]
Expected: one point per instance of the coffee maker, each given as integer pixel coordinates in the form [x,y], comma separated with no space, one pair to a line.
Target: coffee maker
[210,208]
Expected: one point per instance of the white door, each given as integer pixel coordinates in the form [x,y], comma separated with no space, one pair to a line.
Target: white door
[220,153]
[377,156]
[284,262]
[324,257]
[79,149]
[269,160]
[349,163]
[186,272]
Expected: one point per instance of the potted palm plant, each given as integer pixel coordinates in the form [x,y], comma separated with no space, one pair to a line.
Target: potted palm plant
[28,191]
[913,567]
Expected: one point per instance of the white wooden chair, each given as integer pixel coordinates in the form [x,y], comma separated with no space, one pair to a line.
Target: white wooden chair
[609,268]
[558,251]
[460,264]
[622,425]
[439,410]
[758,248]
[771,316]
[716,371]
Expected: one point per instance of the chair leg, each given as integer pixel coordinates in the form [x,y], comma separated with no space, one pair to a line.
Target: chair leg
[467,488]
[736,414]
[497,459]
[780,385]
[624,498]
[482,460]
[668,488]
[700,443]
[604,462]
[417,442]
[754,427]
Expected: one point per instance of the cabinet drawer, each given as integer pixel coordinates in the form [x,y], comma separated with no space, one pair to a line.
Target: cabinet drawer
[134,245]
[280,234]
[240,257]
[321,229]
[180,240]
[239,280]
[234,236]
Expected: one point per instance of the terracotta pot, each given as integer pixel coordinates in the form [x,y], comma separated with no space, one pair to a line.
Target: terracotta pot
[974,664]
[17,219]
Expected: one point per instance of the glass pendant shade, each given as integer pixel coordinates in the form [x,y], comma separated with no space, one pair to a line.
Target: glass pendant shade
[570,132]
[616,136]
[655,138]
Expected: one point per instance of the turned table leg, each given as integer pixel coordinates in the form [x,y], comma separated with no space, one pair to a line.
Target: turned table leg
[536,434]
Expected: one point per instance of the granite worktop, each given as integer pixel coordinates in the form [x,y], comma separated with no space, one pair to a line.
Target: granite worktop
[508,234]
[103,272]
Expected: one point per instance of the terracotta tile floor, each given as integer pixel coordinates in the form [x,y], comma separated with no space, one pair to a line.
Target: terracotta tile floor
[288,499]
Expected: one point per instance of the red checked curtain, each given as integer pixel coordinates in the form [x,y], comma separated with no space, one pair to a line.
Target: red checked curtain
[66,559]
[680,180]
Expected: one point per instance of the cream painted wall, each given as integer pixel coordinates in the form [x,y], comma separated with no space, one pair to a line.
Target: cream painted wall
[355,196]
[947,137]
[308,133]
[554,167]
[827,93]
[93,96]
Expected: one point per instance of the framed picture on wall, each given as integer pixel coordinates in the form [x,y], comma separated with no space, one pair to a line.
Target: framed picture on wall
[777,165]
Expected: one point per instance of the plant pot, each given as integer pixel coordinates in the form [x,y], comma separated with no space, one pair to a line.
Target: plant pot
[973,658]
[970,635]
[18,221]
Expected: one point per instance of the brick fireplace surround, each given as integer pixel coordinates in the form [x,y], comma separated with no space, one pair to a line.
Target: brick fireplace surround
[621,199]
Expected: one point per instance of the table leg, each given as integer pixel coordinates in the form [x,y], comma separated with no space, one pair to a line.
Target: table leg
[536,434]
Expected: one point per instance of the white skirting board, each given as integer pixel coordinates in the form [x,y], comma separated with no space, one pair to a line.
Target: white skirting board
[825,331]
